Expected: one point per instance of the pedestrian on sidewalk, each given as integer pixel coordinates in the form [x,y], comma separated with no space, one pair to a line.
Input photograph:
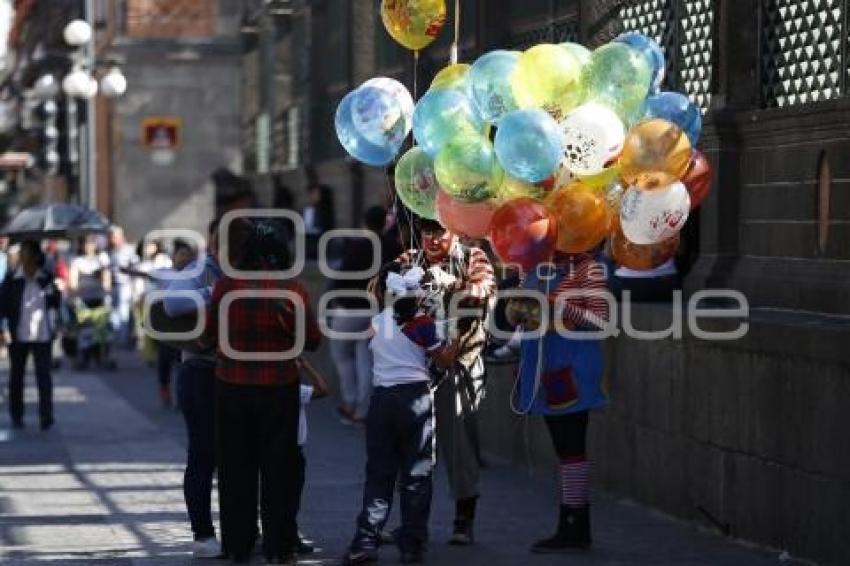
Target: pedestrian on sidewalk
[400,425]
[196,399]
[466,273]
[317,389]
[27,296]
[568,382]
[122,255]
[257,391]
[350,315]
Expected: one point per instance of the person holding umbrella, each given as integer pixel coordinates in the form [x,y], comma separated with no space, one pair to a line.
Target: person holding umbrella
[26,296]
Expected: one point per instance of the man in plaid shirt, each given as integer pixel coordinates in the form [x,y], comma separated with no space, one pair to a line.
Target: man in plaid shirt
[266,325]
[258,400]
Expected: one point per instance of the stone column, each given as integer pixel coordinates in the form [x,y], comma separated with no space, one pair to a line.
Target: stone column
[735,88]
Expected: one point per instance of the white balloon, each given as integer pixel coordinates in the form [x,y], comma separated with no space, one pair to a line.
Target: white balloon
[648,217]
[593,135]
[400,93]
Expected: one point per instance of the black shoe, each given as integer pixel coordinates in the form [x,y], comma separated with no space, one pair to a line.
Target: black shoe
[462,535]
[355,557]
[303,547]
[47,423]
[411,557]
[573,532]
[18,423]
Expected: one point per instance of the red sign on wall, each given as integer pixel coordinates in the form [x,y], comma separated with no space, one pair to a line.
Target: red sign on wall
[162,132]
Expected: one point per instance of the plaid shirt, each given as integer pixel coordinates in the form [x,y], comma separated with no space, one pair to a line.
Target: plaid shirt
[257,326]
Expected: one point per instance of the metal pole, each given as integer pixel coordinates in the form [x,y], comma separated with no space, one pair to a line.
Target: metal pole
[90,162]
[265,124]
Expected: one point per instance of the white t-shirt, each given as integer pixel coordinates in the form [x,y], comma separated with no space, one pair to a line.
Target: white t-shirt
[400,356]
[32,326]
[306,393]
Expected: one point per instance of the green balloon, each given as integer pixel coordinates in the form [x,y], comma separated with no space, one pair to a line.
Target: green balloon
[619,77]
[416,182]
[467,169]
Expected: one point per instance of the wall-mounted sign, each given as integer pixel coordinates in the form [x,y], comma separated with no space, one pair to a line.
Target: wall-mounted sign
[162,132]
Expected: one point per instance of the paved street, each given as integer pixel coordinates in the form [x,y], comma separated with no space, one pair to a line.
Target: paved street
[104,487]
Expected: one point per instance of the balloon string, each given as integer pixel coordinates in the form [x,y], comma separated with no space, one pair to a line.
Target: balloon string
[415,74]
[453,57]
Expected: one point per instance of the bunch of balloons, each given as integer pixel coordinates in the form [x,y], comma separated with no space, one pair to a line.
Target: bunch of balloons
[554,149]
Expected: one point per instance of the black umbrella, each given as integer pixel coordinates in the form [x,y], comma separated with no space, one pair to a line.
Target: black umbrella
[55,221]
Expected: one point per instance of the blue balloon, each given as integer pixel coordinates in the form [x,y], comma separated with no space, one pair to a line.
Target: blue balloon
[651,50]
[378,116]
[490,84]
[678,109]
[353,141]
[440,116]
[528,145]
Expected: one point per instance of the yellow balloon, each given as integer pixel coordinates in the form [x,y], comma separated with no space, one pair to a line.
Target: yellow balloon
[548,76]
[414,23]
[656,153]
[603,179]
[452,76]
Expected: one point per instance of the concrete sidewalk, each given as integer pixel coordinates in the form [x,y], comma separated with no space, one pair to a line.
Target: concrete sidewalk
[104,487]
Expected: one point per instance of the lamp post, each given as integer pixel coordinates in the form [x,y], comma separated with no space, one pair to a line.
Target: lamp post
[81,84]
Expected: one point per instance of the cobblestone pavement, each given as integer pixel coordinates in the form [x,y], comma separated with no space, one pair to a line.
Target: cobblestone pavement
[104,487]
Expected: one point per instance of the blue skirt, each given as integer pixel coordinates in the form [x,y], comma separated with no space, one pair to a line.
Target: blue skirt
[570,380]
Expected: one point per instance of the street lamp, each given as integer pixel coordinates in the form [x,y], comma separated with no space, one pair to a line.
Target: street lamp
[114,83]
[79,84]
[77,33]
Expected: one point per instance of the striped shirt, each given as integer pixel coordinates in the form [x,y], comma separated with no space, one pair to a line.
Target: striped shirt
[584,284]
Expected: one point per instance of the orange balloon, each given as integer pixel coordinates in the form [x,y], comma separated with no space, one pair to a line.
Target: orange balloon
[637,256]
[583,214]
[656,154]
[464,218]
[523,233]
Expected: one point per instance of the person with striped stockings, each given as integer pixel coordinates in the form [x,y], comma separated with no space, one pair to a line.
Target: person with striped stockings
[560,378]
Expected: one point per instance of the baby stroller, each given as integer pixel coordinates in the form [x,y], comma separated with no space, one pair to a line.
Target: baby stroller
[87,334]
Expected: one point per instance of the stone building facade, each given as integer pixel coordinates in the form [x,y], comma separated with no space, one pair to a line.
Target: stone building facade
[182,63]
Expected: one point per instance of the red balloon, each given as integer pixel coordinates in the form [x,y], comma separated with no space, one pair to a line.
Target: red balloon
[471,220]
[523,232]
[697,178]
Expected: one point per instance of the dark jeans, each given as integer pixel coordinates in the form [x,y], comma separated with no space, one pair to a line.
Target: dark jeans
[166,358]
[300,478]
[18,353]
[399,444]
[568,433]
[258,451]
[196,399]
